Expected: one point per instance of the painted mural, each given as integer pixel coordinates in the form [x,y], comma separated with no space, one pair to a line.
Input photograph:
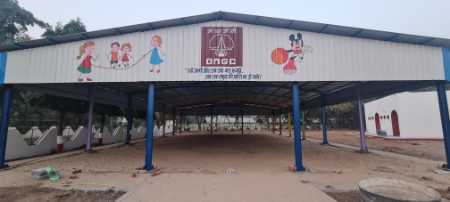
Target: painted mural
[127,56]
[156,54]
[120,57]
[291,58]
[86,58]
[223,51]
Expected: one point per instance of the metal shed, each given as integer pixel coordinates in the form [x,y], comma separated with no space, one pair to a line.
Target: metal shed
[226,63]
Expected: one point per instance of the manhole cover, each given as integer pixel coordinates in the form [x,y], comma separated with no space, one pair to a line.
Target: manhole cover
[392,190]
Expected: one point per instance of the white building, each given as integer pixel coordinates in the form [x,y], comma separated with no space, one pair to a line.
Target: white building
[405,115]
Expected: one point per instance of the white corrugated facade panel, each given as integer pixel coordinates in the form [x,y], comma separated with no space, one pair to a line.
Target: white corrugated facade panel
[326,58]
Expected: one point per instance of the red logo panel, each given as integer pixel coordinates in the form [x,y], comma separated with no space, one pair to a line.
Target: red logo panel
[221,46]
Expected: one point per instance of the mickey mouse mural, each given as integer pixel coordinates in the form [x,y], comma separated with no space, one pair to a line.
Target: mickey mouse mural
[291,58]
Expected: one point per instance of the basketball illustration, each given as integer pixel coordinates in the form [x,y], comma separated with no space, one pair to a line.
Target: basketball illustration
[279,56]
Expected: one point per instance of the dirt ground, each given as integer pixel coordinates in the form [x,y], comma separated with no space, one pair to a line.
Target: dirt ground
[352,196]
[347,196]
[35,192]
[198,167]
[428,149]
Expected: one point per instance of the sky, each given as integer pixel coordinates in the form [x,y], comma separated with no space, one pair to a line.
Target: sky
[420,17]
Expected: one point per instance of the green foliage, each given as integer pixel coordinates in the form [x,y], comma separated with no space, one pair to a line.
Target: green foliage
[15,20]
[22,36]
[73,26]
[31,108]
[24,112]
[343,115]
[340,116]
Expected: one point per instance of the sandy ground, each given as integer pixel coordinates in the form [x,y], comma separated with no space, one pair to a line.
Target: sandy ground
[428,149]
[34,193]
[225,188]
[231,167]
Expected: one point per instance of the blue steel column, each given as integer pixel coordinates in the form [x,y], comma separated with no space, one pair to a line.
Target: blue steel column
[445,120]
[297,127]
[362,129]
[129,119]
[3,58]
[6,107]
[149,141]
[323,119]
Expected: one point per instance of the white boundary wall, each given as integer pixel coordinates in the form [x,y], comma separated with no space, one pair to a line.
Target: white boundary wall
[17,147]
[418,114]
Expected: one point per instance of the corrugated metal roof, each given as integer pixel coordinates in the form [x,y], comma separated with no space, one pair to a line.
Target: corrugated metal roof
[242,18]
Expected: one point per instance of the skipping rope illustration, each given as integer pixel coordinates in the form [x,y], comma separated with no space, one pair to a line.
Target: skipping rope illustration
[120,58]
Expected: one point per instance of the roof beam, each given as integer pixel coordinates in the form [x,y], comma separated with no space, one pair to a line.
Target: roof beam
[220,15]
[256,21]
[169,87]
[357,33]
[19,46]
[118,30]
[324,28]
[209,104]
[51,40]
[169,99]
[84,35]
[290,24]
[427,41]
[392,37]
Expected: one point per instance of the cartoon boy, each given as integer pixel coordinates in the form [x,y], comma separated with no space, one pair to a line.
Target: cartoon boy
[114,56]
[86,58]
[126,54]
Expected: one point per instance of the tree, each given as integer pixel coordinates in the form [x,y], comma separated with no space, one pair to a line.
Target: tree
[23,112]
[29,107]
[22,36]
[14,20]
[73,26]
[29,104]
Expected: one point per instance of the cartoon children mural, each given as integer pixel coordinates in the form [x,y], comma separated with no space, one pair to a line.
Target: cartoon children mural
[114,55]
[118,57]
[156,54]
[126,56]
[86,58]
[292,57]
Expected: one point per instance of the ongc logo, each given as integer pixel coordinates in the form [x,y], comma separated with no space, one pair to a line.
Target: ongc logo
[222,46]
